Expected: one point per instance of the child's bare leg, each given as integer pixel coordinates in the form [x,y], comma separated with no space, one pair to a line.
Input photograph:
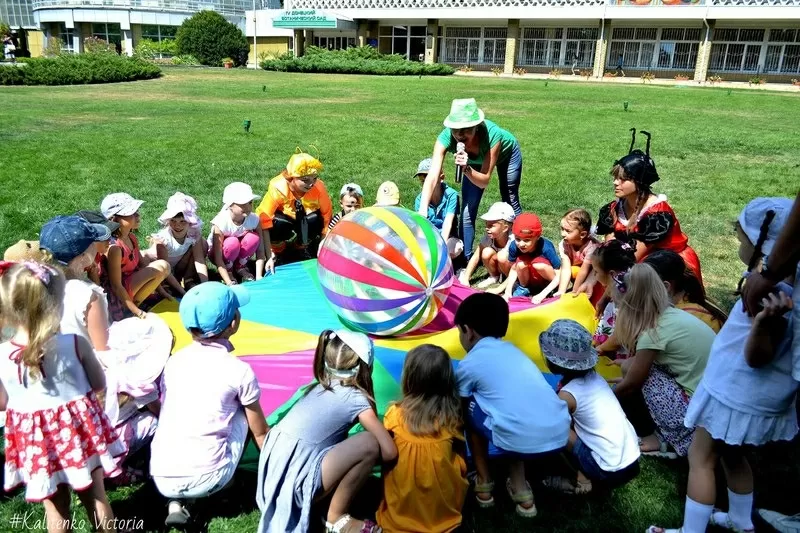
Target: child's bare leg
[56,511]
[702,461]
[516,473]
[95,501]
[523,274]
[503,263]
[547,272]
[146,280]
[489,260]
[344,470]
[740,489]
[479,447]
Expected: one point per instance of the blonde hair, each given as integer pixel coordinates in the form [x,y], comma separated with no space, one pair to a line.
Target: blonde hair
[32,299]
[430,403]
[334,353]
[641,299]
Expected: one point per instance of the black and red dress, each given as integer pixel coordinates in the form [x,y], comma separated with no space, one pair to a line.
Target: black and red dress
[656,226]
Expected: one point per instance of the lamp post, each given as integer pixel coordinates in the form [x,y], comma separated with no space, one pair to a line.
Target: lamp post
[255,35]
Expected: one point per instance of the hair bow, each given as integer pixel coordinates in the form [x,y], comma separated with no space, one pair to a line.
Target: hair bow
[627,247]
[5,265]
[619,281]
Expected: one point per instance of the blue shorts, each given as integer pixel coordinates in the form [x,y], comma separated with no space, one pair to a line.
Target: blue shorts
[586,463]
[476,420]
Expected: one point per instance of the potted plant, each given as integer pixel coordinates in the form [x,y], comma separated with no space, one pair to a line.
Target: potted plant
[714,79]
[647,77]
[556,73]
[497,71]
[681,77]
[756,80]
[227,62]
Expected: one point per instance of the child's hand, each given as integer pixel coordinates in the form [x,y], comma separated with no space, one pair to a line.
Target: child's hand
[506,297]
[774,305]
[463,279]
[536,300]
[269,268]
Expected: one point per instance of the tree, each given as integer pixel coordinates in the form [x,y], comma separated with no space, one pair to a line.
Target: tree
[5,29]
[210,38]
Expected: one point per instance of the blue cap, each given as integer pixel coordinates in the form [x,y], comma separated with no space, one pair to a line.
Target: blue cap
[211,306]
[67,237]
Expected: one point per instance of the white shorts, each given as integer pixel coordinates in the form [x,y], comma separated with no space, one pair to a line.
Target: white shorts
[204,485]
[455,246]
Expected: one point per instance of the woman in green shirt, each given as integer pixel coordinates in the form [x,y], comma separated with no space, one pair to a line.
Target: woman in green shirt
[487,146]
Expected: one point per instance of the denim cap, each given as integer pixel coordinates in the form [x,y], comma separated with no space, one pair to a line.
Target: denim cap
[67,237]
[753,215]
[211,306]
[96,217]
[569,345]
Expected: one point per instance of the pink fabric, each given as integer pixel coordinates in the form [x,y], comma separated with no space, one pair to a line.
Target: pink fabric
[240,249]
[136,433]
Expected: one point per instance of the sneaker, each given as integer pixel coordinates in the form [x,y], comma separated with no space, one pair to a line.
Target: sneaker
[519,290]
[178,515]
[488,282]
[781,522]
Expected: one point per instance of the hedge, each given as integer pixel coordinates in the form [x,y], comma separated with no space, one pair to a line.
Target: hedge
[78,69]
[361,60]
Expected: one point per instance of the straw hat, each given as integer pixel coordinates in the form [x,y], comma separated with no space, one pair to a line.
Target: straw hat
[464,113]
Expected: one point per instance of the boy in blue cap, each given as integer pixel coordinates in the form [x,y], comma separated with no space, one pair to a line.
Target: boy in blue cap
[442,210]
[210,402]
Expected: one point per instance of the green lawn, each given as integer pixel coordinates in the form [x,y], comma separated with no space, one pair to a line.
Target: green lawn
[64,148]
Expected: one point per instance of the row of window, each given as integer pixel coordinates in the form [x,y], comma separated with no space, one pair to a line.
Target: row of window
[113,34]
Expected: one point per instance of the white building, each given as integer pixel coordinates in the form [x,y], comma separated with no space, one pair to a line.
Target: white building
[735,39]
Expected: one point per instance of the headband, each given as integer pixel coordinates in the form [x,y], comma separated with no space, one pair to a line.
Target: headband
[359,343]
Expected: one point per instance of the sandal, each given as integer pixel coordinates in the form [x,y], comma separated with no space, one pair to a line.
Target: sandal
[656,529]
[348,524]
[663,451]
[727,523]
[484,488]
[565,486]
[178,518]
[519,498]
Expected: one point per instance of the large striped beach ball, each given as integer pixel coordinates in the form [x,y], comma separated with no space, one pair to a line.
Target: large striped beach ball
[385,270]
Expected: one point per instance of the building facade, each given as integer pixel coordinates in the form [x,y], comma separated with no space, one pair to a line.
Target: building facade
[686,39]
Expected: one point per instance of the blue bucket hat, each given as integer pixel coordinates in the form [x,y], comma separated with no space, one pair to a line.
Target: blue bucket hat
[569,345]
[211,306]
[67,237]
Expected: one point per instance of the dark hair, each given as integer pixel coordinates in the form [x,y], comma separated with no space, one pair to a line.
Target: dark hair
[614,255]
[566,374]
[334,352]
[581,218]
[430,403]
[671,268]
[640,168]
[763,232]
[487,314]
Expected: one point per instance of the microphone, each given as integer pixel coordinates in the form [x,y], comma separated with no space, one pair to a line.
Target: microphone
[460,147]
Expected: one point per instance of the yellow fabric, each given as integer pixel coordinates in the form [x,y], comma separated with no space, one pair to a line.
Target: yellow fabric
[279,198]
[702,313]
[425,490]
[302,164]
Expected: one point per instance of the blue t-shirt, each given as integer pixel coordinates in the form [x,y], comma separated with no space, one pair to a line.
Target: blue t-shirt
[544,247]
[437,213]
[523,411]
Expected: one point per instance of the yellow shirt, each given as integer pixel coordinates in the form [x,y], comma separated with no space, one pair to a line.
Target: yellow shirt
[425,490]
[279,198]
[702,313]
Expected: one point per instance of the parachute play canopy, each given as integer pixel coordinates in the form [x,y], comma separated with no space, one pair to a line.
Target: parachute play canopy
[288,310]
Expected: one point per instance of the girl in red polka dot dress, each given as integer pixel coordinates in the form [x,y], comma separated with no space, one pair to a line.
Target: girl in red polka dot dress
[57,437]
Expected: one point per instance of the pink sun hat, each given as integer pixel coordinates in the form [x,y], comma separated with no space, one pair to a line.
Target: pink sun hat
[180,203]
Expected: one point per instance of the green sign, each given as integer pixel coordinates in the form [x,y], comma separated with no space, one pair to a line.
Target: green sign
[304,18]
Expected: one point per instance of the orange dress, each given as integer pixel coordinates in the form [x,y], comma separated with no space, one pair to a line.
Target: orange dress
[425,490]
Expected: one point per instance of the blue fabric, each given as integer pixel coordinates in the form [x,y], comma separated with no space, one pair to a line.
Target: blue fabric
[586,463]
[448,205]
[523,412]
[509,174]
[519,290]
[544,247]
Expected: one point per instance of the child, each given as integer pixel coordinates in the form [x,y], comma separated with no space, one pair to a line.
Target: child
[210,402]
[684,289]
[670,349]
[602,442]
[611,258]
[388,195]
[351,197]
[56,435]
[181,244]
[442,209]
[236,235]
[95,271]
[296,210]
[536,262]
[308,456]
[638,216]
[132,352]
[425,490]
[577,244]
[747,395]
[506,401]
[493,248]
[128,279]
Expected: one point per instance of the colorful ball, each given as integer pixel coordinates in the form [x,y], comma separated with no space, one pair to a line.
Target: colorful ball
[385,270]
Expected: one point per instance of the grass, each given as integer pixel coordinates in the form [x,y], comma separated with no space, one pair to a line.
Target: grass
[64,148]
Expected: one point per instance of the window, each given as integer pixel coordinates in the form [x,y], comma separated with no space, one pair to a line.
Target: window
[635,45]
[334,43]
[65,35]
[159,33]
[735,50]
[474,45]
[109,33]
[678,48]
[783,52]
[407,41]
[17,13]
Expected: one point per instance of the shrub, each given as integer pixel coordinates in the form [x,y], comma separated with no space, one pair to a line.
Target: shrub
[185,60]
[95,45]
[5,29]
[52,48]
[210,38]
[360,60]
[147,49]
[79,69]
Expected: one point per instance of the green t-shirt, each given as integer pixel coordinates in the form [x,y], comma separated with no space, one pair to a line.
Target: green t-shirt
[684,342]
[490,136]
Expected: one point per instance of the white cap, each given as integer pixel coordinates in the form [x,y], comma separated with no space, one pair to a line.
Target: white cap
[499,211]
[753,215]
[359,343]
[119,203]
[180,203]
[238,193]
[354,186]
